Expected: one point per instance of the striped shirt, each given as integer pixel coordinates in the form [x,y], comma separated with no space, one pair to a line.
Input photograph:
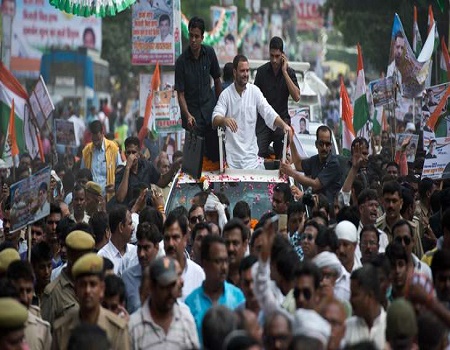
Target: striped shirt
[146,334]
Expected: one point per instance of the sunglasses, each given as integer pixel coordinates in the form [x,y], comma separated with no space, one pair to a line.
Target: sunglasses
[405,239]
[322,143]
[307,294]
[307,237]
[195,219]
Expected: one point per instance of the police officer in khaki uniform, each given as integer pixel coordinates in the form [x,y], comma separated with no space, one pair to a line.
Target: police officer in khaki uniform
[7,256]
[88,275]
[59,295]
[13,316]
[37,331]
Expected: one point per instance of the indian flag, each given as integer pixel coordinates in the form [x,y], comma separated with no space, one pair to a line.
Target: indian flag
[445,62]
[10,89]
[348,133]
[361,107]
[417,39]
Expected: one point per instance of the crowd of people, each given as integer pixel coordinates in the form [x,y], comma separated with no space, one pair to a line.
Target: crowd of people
[362,263]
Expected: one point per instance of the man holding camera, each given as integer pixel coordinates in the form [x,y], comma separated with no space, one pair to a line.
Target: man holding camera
[322,171]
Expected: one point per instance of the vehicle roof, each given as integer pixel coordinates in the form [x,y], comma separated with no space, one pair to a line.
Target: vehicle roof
[235,175]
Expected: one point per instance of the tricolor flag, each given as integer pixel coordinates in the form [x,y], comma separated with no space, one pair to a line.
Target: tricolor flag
[445,62]
[348,133]
[417,39]
[11,90]
[430,26]
[361,107]
[154,86]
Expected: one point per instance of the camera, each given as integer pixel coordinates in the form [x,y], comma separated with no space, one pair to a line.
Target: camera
[308,199]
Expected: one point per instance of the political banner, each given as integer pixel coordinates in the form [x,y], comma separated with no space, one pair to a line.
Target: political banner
[226,47]
[382,91]
[65,133]
[411,148]
[408,72]
[431,98]
[437,159]
[167,83]
[156,33]
[300,118]
[309,14]
[166,111]
[29,199]
[38,26]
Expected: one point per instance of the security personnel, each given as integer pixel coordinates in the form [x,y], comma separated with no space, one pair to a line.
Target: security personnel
[88,276]
[13,316]
[59,295]
[7,256]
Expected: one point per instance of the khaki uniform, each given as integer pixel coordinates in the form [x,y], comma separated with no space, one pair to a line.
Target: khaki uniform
[58,298]
[115,327]
[37,333]
[382,225]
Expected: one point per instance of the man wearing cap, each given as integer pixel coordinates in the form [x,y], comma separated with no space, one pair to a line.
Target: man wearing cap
[139,170]
[331,269]
[89,286]
[37,331]
[347,242]
[101,156]
[401,325]
[118,249]
[310,324]
[94,198]
[59,295]
[7,256]
[162,322]
[12,323]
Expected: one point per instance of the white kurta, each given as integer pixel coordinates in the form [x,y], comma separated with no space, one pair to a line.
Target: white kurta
[242,147]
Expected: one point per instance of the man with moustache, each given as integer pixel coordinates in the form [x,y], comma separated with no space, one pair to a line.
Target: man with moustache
[322,172]
[175,240]
[148,238]
[236,111]
[215,290]
[236,239]
[162,322]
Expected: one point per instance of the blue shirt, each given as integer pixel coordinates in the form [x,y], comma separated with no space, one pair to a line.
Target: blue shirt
[199,303]
[132,280]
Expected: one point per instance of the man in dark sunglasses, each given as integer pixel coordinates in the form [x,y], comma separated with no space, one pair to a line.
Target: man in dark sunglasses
[403,233]
[307,283]
[322,171]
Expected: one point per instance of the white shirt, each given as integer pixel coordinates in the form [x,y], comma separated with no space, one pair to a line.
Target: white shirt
[193,277]
[56,272]
[121,263]
[422,268]
[342,286]
[79,128]
[394,71]
[167,39]
[241,147]
[357,330]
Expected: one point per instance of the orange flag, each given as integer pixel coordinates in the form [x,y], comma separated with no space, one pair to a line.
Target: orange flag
[437,112]
[12,132]
[154,85]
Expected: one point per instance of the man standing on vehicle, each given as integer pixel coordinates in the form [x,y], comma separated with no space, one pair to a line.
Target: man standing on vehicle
[193,71]
[322,171]
[277,81]
[237,110]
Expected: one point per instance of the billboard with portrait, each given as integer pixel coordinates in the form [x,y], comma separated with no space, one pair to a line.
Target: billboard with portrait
[37,26]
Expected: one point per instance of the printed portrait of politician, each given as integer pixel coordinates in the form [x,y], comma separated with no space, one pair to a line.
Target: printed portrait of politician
[89,38]
[302,126]
[394,68]
[431,148]
[8,8]
[164,26]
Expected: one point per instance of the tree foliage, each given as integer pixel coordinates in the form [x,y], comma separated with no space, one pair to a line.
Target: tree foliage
[369,22]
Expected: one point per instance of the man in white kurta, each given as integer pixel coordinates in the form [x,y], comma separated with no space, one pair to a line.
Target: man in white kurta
[237,110]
